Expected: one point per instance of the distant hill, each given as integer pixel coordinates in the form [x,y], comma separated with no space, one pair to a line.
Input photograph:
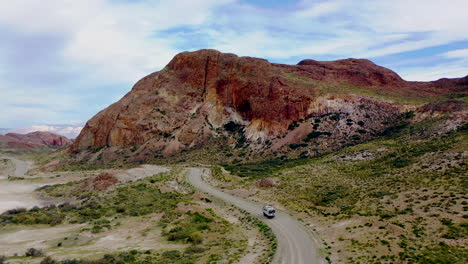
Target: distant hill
[38,141]
[69,131]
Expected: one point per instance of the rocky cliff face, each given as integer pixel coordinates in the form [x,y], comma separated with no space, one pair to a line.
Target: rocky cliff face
[256,105]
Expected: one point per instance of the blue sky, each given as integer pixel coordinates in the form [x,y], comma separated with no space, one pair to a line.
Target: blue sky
[62,61]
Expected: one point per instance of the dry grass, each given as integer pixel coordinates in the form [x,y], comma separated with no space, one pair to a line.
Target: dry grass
[400,199]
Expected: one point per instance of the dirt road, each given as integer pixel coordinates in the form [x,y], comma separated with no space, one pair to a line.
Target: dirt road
[296,245]
[16,194]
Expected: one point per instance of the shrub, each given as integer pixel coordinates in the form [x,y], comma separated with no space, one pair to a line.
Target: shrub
[195,239]
[331,194]
[315,134]
[456,232]
[293,125]
[233,127]
[446,221]
[335,117]
[2,259]
[32,252]
[194,250]
[71,261]
[295,145]
[401,162]
[171,254]
[265,183]
[178,235]
[48,260]
[199,218]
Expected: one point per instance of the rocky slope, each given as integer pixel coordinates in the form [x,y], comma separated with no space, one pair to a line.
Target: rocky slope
[260,107]
[33,141]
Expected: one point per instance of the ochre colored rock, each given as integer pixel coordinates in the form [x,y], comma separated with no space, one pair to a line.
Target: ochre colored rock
[197,93]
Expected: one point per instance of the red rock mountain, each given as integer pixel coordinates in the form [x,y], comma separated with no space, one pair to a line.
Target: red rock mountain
[34,140]
[258,105]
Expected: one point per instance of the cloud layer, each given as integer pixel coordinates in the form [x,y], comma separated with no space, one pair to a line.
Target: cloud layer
[61,61]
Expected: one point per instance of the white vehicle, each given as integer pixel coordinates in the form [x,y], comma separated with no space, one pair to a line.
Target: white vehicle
[269,211]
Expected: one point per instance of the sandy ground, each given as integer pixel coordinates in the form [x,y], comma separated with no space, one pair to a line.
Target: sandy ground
[14,194]
[132,233]
[74,241]
[17,240]
[20,193]
[139,173]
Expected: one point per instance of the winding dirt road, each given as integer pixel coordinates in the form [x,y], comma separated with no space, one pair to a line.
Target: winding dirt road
[296,245]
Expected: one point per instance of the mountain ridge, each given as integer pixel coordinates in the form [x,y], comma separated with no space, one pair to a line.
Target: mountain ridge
[268,106]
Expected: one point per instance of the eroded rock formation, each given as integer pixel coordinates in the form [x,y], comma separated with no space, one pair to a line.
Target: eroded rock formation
[198,94]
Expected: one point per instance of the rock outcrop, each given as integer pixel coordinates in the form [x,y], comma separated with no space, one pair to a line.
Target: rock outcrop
[207,94]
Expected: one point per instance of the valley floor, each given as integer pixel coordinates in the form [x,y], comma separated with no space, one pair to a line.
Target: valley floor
[150,214]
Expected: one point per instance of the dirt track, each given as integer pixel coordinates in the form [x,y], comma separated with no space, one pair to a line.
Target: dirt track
[296,245]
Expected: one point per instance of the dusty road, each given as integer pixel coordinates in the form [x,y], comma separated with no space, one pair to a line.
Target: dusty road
[16,194]
[296,245]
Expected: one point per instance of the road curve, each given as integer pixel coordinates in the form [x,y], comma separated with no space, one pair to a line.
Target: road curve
[296,245]
[21,166]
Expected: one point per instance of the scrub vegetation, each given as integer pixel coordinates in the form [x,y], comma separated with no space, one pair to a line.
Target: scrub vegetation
[399,199]
[195,232]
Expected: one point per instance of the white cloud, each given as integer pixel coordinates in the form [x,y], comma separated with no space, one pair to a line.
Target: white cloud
[433,73]
[320,9]
[107,42]
[109,39]
[37,106]
[417,16]
[457,54]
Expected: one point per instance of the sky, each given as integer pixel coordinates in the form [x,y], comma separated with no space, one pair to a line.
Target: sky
[62,61]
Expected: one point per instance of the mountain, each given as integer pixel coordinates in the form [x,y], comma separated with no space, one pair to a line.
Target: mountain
[3,131]
[32,142]
[246,107]
[69,131]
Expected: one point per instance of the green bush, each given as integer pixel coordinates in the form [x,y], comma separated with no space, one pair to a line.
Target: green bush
[48,260]
[315,134]
[194,250]
[401,162]
[199,218]
[32,252]
[296,145]
[171,254]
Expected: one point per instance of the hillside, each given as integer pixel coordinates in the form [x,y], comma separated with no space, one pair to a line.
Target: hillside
[38,141]
[398,199]
[261,110]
